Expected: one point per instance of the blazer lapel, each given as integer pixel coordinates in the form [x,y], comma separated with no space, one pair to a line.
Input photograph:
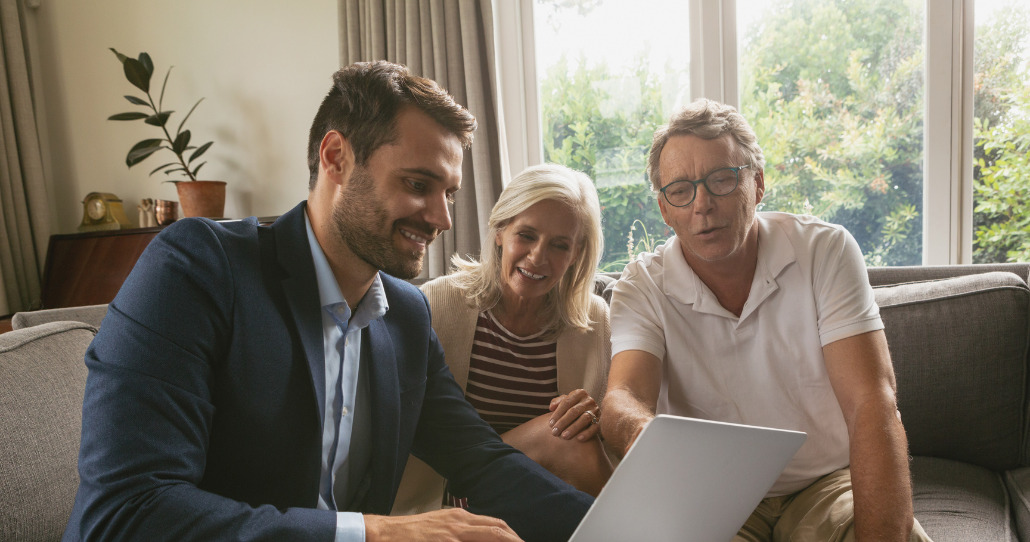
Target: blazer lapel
[386,398]
[301,291]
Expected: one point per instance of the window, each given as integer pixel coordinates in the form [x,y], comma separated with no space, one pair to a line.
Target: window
[1001,132]
[610,73]
[834,91]
[865,111]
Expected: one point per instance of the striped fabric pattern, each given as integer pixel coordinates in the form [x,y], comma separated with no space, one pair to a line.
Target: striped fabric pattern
[511,379]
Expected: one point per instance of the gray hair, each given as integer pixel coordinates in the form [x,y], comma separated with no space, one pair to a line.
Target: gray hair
[706,119]
[568,304]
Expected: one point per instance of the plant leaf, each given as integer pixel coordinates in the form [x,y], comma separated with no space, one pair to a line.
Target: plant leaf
[203,148]
[137,74]
[161,98]
[181,124]
[132,115]
[140,151]
[181,141]
[159,168]
[147,63]
[159,119]
[196,169]
[121,57]
[137,101]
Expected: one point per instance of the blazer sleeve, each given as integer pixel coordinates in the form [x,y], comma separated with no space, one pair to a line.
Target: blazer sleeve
[498,480]
[149,405]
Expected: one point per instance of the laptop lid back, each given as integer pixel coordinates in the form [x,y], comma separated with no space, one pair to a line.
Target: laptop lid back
[688,479]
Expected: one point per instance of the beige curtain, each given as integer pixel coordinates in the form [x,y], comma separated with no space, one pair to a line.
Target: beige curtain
[451,42]
[25,221]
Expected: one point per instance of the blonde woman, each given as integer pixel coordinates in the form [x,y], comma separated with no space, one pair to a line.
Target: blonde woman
[524,334]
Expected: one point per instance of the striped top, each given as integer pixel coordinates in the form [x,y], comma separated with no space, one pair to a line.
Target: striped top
[511,379]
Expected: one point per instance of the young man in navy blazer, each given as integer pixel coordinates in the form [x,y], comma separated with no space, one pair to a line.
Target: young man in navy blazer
[268,383]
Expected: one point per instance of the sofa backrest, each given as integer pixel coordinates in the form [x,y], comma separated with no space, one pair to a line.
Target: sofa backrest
[959,337]
[42,379]
[959,347]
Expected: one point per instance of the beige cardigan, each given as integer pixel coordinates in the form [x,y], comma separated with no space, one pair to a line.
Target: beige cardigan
[583,358]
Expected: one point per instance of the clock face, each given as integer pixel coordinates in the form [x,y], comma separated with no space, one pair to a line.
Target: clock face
[96,209]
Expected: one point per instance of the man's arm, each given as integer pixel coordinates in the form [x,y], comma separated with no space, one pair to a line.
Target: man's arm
[149,408]
[632,397]
[498,480]
[862,377]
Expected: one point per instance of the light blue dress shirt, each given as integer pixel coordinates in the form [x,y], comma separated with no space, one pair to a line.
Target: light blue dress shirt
[347,427]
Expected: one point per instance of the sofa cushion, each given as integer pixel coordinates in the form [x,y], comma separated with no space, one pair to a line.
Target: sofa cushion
[958,502]
[42,378]
[959,348]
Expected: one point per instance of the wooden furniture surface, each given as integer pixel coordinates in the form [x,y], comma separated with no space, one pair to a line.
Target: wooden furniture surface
[89,268]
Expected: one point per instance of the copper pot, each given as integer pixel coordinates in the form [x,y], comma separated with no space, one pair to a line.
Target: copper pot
[167,211]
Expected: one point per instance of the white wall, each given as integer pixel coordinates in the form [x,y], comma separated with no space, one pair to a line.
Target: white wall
[262,67]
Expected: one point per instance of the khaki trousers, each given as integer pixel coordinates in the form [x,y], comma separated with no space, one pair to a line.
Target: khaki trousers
[822,512]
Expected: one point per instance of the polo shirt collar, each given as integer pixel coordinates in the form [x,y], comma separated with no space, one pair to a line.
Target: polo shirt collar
[681,283]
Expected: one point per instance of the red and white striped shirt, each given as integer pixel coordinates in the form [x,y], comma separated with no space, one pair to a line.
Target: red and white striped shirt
[511,379]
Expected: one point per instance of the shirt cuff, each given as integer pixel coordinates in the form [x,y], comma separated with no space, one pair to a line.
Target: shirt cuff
[350,527]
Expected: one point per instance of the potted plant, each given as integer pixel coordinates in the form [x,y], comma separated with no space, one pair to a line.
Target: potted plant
[198,198]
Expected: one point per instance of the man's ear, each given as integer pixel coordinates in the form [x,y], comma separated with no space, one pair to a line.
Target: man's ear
[335,157]
[663,209]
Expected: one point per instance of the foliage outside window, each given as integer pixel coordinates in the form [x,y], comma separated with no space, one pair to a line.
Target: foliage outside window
[1001,137]
[835,91]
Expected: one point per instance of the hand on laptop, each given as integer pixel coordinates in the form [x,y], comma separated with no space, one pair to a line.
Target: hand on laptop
[451,525]
[575,415]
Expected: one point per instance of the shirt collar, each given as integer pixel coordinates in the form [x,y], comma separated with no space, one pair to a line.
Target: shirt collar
[775,253]
[372,306]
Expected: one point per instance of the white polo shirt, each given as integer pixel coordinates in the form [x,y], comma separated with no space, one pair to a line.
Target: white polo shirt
[765,367]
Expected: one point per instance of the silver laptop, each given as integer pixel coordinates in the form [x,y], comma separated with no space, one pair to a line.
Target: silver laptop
[686,479]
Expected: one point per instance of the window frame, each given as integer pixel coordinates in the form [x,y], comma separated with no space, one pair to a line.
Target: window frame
[948,119]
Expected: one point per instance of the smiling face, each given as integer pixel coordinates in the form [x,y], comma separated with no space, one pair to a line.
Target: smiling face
[537,247]
[712,229]
[391,208]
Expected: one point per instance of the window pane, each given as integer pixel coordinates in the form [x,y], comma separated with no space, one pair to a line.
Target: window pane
[834,90]
[609,73]
[1001,133]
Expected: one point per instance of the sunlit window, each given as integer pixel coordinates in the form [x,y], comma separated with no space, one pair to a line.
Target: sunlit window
[835,91]
[1001,133]
[609,73]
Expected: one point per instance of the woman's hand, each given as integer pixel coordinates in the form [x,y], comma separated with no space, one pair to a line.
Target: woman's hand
[575,415]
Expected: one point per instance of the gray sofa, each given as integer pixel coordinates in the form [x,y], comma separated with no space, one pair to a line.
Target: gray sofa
[42,377]
[958,337]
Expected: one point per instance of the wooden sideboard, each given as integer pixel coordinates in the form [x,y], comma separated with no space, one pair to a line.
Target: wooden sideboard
[89,268]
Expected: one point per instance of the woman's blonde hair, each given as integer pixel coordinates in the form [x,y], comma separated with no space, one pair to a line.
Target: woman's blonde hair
[568,303]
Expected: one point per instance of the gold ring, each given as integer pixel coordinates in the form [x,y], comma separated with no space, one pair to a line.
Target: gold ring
[594,419]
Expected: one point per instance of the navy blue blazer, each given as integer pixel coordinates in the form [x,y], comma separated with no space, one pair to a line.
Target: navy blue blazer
[204,401]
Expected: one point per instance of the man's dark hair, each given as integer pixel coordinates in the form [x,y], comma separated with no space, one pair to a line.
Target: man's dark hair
[363,104]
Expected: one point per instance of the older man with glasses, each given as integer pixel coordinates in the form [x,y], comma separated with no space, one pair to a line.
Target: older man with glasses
[761,319]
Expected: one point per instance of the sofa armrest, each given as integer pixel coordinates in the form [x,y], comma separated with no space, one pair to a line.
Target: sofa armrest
[89,314]
[1018,483]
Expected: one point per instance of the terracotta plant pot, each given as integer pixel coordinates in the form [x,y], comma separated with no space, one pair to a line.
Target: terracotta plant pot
[202,198]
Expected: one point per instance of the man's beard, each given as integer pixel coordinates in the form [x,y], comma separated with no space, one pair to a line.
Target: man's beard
[361,222]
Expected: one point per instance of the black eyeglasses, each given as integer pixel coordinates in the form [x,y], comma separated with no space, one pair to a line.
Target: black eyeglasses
[720,182]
